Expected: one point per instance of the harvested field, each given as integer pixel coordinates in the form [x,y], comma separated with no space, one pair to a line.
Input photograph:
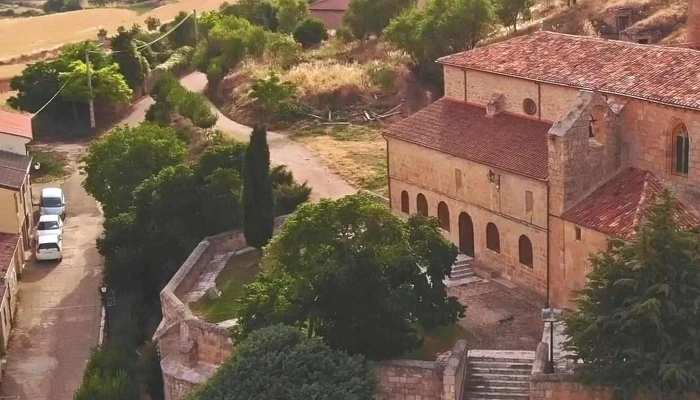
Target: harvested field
[20,36]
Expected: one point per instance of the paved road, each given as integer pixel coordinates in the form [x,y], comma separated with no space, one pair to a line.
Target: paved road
[59,313]
[305,165]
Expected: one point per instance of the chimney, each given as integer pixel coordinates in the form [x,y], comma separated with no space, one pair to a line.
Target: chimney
[694,23]
[495,105]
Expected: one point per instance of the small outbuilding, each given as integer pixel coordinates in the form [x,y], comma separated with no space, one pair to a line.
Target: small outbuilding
[331,12]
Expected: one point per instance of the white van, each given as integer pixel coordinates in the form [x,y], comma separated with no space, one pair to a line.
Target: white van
[49,247]
[53,202]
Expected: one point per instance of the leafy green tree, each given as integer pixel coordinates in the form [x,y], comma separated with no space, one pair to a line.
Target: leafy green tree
[365,18]
[107,84]
[290,13]
[184,34]
[132,64]
[108,375]
[509,11]
[354,274]
[637,327]
[310,32]
[258,200]
[258,12]
[97,3]
[271,97]
[117,163]
[279,362]
[152,23]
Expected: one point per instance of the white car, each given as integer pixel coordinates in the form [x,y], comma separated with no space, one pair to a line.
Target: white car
[53,202]
[50,225]
[49,247]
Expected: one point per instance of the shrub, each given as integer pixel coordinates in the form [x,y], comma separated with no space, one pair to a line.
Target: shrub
[382,76]
[289,196]
[282,50]
[175,98]
[310,32]
[152,23]
[270,95]
[178,61]
[344,34]
[280,362]
[290,13]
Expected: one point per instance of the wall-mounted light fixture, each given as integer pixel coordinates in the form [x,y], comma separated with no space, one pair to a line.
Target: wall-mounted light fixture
[494,178]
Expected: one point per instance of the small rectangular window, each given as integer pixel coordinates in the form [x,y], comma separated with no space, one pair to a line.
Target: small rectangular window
[529,202]
[578,234]
[458,178]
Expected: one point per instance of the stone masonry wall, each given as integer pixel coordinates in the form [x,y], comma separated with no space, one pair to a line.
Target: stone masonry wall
[442,379]
[418,170]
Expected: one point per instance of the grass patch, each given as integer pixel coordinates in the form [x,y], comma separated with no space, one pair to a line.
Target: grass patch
[239,271]
[357,153]
[439,341]
[52,165]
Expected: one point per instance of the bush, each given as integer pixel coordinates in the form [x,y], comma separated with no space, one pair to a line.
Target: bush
[310,32]
[282,50]
[382,76]
[344,34]
[270,95]
[178,61]
[280,362]
[173,97]
[289,196]
[150,373]
[290,13]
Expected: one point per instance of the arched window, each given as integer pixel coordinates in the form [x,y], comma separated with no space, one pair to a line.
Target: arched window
[681,149]
[525,251]
[404,202]
[422,205]
[493,239]
[444,216]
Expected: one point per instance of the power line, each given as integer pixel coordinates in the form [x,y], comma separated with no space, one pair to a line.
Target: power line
[55,95]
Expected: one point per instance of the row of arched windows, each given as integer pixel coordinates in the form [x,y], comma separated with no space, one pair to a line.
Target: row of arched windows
[493,236]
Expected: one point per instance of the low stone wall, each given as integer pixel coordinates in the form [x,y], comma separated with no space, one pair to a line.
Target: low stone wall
[442,379]
[562,385]
[191,348]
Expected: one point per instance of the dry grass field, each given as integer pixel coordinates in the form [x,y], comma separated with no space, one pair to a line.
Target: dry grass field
[20,36]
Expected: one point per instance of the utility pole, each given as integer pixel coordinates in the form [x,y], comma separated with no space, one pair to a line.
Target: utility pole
[196,28]
[89,79]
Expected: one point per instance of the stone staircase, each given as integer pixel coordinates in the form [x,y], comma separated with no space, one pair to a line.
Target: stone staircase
[461,271]
[498,375]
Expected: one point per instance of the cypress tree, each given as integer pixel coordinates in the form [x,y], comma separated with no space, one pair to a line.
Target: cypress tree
[258,199]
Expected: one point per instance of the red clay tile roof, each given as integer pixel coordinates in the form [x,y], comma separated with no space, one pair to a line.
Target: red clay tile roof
[8,245]
[13,169]
[668,75]
[330,5]
[617,207]
[16,124]
[511,143]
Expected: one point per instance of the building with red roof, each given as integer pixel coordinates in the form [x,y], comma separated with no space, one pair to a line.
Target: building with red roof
[547,146]
[331,12]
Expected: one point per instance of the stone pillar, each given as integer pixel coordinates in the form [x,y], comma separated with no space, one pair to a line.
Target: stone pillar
[694,22]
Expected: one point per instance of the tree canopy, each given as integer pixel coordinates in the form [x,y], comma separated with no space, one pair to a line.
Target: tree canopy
[258,200]
[107,83]
[637,328]
[352,273]
[279,362]
[509,11]
[117,163]
[365,18]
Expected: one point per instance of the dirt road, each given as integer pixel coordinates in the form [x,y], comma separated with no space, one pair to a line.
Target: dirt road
[59,313]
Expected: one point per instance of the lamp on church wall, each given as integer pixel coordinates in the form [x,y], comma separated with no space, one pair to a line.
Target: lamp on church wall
[494,178]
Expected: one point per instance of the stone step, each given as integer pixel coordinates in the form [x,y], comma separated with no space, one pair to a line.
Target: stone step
[505,364]
[462,264]
[461,268]
[500,378]
[502,354]
[500,394]
[480,382]
[497,371]
[498,389]
[514,359]
[461,275]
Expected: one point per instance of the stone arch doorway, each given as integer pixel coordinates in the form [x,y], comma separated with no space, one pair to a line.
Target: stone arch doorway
[466,234]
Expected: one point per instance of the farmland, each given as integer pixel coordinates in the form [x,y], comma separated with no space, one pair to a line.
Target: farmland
[25,36]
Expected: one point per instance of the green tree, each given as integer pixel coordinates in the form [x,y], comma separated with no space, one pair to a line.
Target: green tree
[120,161]
[184,34]
[152,23]
[509,11]
[637,327]
[258,200]
[365,18]
[108,375]
[279,362]
[290,13]
[132,64]
[258,12]
[108,84]
[354,274]
[97,3]
[310,32]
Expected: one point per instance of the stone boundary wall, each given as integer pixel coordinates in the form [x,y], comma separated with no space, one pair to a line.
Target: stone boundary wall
[191,348]
[562,385]
[442,379]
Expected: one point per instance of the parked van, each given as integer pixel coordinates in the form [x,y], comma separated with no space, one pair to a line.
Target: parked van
[49,247]
[53,202]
